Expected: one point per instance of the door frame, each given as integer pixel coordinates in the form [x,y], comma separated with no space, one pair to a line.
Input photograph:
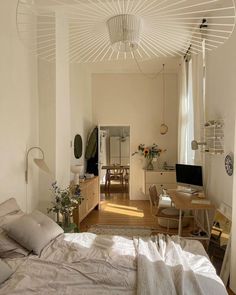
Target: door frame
[99,163]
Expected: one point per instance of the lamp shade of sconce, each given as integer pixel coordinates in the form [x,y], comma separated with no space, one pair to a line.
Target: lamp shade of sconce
[195,144]
[38,161]
[42,165]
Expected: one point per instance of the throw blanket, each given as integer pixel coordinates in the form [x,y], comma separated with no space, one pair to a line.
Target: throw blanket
[171,265]
[87,264]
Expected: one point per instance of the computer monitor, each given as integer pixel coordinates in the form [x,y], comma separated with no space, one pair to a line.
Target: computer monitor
[189,176]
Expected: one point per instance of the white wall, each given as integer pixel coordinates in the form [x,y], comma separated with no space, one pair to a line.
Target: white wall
[55,116]
[47,127]
[62,103]
[135,100]
[81,107]
[221,103]
[18,112]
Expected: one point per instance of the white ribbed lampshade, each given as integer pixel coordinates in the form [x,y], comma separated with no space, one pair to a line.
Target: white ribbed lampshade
[124,32]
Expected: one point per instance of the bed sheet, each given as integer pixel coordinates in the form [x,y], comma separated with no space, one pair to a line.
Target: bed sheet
[89,264]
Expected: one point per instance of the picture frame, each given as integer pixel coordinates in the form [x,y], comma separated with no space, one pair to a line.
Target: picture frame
[220,244]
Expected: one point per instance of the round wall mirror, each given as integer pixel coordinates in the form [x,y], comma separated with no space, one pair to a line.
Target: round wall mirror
[78,146]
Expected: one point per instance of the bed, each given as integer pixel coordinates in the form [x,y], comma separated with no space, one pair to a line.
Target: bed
[86,263]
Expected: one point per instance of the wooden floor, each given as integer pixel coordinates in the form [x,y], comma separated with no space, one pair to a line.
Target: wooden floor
[117,209]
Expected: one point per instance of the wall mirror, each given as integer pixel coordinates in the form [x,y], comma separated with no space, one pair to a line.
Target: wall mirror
[219,245]
[78,146]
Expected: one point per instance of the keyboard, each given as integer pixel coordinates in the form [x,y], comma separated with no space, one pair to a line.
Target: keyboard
[186,191]
[201,202]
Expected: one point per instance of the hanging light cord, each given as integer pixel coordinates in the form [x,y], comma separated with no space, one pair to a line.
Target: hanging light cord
[164,92]
[149,76]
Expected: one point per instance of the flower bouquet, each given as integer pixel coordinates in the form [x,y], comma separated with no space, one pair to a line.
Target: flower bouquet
[149,152]
[66,200]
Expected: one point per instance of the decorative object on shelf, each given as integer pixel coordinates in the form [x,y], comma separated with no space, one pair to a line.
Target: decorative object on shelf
[66,200]
[163,127]
[38,161]
[229,164]
[105,30]
[76,169]
[149,153]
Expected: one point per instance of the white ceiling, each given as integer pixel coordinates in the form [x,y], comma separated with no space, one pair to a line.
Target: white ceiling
[150,67]
[169,27]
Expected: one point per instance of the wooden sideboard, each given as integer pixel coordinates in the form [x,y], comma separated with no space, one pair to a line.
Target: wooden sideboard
[90,193]
[162,179]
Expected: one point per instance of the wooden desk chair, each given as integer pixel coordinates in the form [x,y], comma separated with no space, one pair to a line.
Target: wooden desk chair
[114,174]
[126,177]
[167,216]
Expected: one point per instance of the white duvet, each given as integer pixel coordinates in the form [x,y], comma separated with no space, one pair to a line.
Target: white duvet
[89,264]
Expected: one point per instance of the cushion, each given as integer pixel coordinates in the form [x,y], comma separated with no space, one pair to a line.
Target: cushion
[171,211]
[9,206]
[9,218]
[10,211]
[33,231]
[5,271]
[10,248]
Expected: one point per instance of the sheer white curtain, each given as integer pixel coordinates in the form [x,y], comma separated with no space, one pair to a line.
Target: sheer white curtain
[192,108]
[186,114]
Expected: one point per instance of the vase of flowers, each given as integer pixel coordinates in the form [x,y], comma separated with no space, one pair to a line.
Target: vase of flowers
[149,153]
[149,164]
[65,201]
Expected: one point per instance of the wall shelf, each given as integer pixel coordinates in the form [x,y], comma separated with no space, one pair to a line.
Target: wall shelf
[214,137]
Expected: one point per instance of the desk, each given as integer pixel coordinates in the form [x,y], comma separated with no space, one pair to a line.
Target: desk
[182,202]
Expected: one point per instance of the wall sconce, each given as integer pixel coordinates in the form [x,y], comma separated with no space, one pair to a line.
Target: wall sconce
[195,144]
[38,161]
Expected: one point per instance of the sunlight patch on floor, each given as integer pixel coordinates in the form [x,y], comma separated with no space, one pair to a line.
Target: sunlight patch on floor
[124,212]
[124,207]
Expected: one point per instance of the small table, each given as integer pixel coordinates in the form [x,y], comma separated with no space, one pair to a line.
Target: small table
[108,168]
[183,202]
[114,167]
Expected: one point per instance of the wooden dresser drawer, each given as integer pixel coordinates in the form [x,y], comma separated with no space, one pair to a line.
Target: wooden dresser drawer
[90,193]
[160,177]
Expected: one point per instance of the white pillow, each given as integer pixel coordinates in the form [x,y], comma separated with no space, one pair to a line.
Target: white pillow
[8,207]
[33,231]
[10,248]
[5,271]
[10,211]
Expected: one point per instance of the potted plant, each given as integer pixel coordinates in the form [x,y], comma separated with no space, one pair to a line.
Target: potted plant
[65,201]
